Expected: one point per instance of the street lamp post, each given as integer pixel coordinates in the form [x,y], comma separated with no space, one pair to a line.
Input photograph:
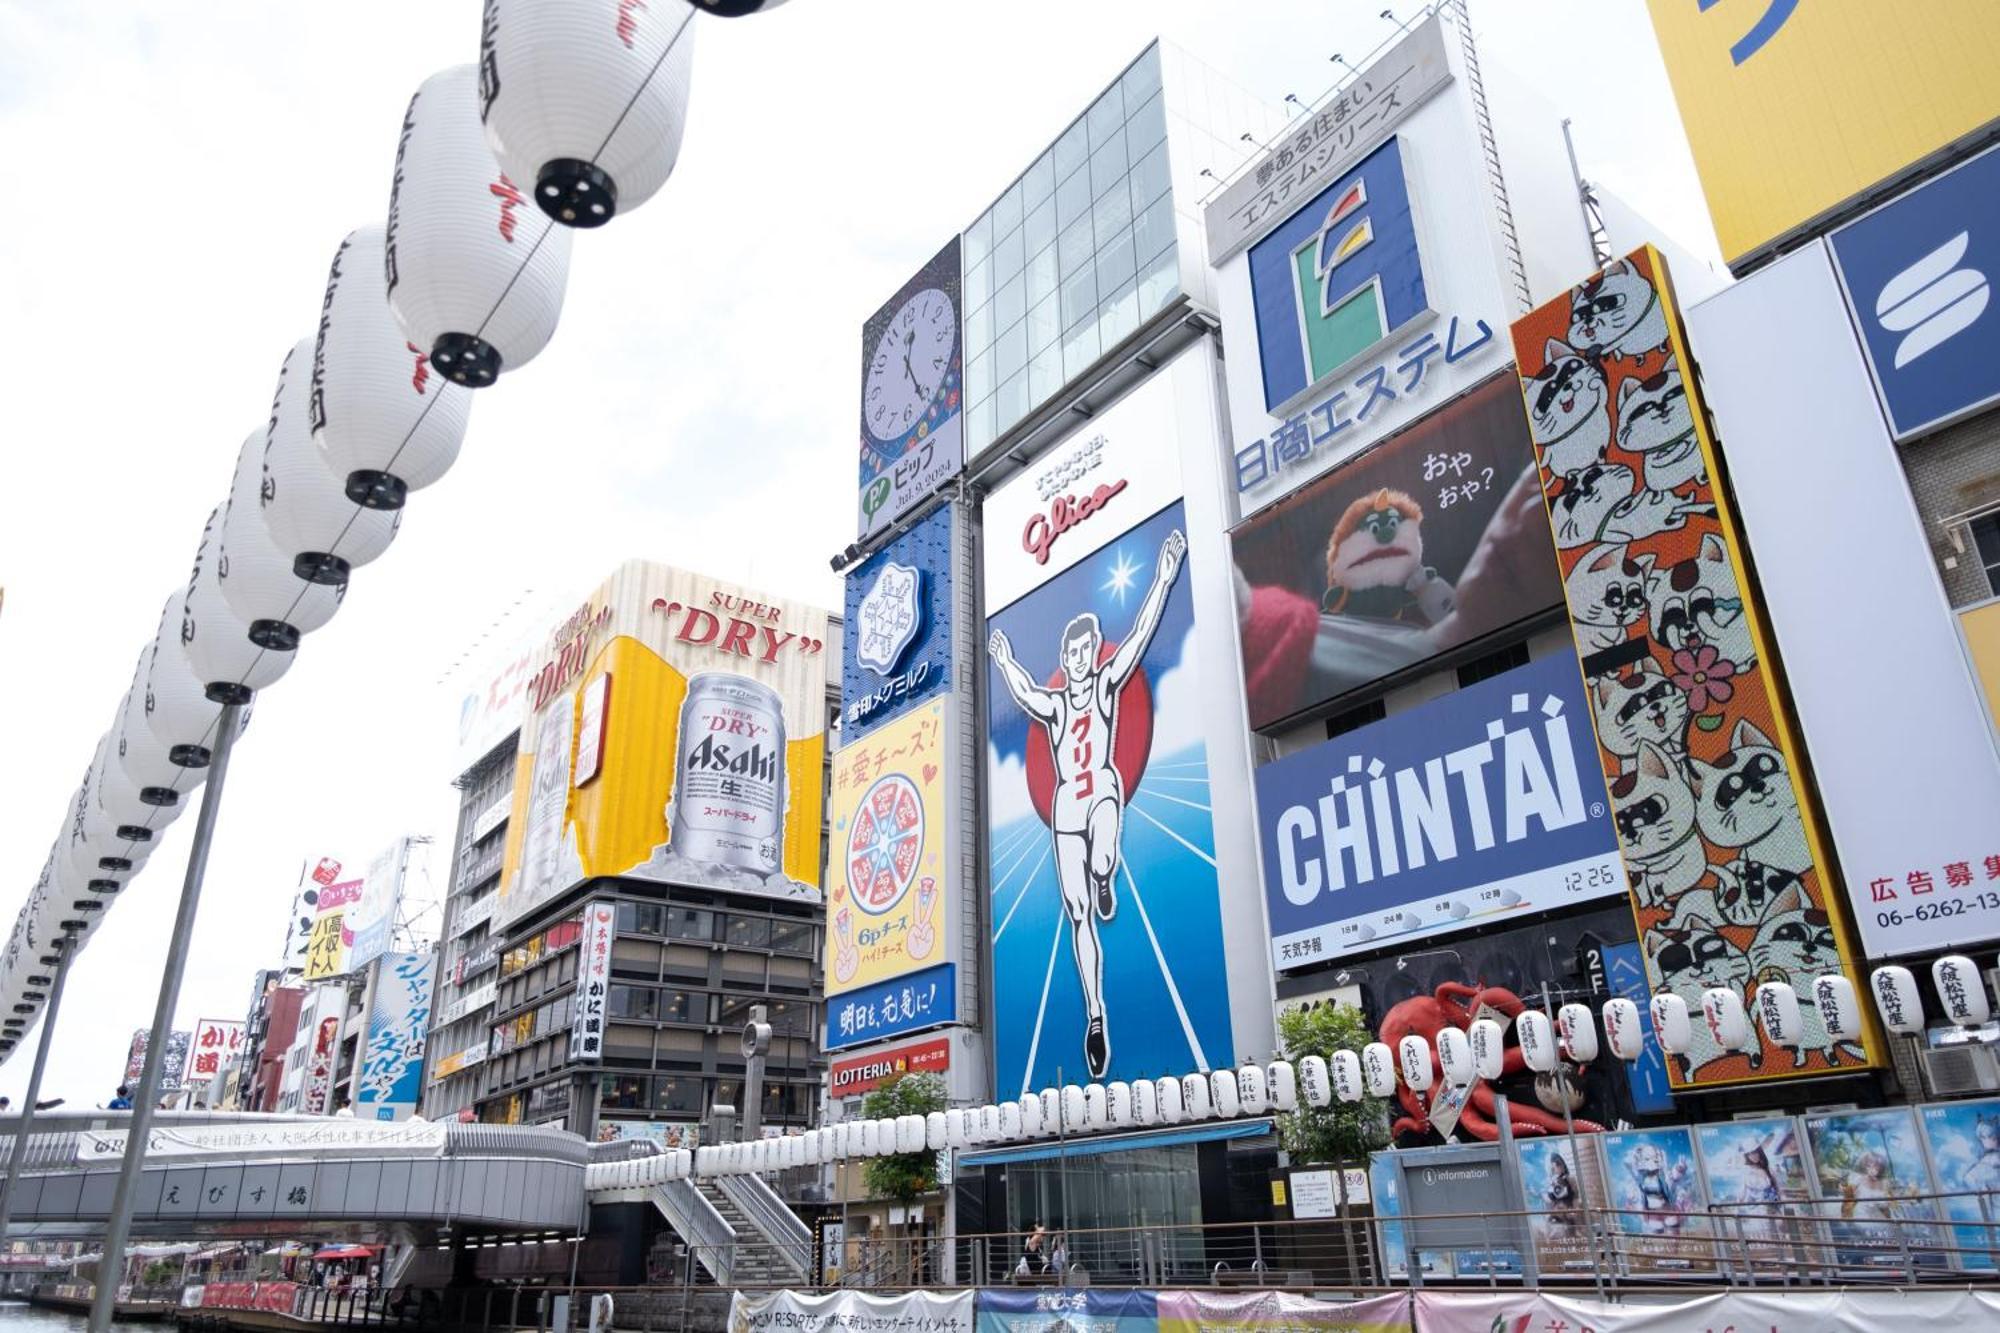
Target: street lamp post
[65,950]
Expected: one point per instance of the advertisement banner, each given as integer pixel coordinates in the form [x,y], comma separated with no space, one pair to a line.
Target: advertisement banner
[851,1312]
[236,1139]
[1478,806]
[174,1061]
[668,1134]
[326,954]
[864,1073]
[1426,543]
[1964,1140]
[317,1095]
[371,921]
[895,649]
[1562,1187]
[1876,1189]
[1194,1311]
[399,1016]
[593,980]
[1841,96]
[912,418]
[1754,1175]
[1920,856]
[911,1003]
[490,709]
[1725,854]
[217,1041]
[713,741]
[135,1056]
[1656,1184]
[1061,1311]
[888,874]
[1789,1311]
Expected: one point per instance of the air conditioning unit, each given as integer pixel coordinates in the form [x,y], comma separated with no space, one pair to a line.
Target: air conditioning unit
[1954,1070]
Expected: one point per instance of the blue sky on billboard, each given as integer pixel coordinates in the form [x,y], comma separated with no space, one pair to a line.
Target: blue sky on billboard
[697,404]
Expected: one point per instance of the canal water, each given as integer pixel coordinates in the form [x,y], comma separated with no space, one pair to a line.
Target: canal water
[19,1317]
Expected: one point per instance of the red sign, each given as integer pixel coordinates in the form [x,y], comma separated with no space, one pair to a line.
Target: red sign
[865,1073]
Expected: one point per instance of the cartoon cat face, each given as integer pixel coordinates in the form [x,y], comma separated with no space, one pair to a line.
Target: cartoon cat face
[1589,496]
[1656,808]
[1616,313]
[1696,957]
[1566,408]
[1654,414]
[1607,594]
[1745,793]
[1638,708]
[1697,602]
[1795,942]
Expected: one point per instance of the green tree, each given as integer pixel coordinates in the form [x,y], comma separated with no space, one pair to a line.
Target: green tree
[1340,1131]
[903,1176]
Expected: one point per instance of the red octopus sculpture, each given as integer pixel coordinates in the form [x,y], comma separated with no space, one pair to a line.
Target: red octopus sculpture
[1456,1005]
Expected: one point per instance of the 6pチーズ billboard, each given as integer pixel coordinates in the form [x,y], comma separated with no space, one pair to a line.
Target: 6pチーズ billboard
[889,872]
[1725,855]
[896,641]
[912,409]
[1430,541]
[1794,109]
[1475,807]
[676,733]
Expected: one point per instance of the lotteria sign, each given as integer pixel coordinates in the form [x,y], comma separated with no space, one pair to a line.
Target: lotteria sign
[865,1073]
[1481,805]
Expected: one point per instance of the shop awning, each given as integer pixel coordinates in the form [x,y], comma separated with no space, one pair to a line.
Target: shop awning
[345,1252]
[1109,1143]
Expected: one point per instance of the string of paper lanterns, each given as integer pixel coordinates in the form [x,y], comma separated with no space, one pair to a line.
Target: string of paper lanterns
[461,282]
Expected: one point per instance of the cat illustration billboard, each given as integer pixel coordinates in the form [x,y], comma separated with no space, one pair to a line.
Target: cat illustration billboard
[1474,809]
[1425,544]
[1725,854]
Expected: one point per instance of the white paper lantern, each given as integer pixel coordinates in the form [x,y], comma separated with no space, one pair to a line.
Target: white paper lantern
[1072,1108]
[120,800]
[1728,1023]
[585,100]
[306,510]
[98,847]
[1778,1014]
[1961,991]
[1051,1101]
[1197,1097]
[1171,1099]
[1378,1070]
[257,580]
[888,1139]
[705,1160]
[909,1133]
[870,1136]
[1489,1047]
[1031,1117]
[177,706]
[1413,1056]
[1621,1029]
[217,642]
[1284,1084]
[1672,1024]
[1839,1007]
[957,1129]
[1118,1104]
[386,422]
[989,1124]
[1537,1039]
[475,272]
[143,756]
[1578,1032]
[1096,1109]
[1454,1052]
[1316,1079]
[814,1150]
[1896,998]
[1010,1121]
[1253,1089]
[730,9]
[934,1131]
[1223,1093]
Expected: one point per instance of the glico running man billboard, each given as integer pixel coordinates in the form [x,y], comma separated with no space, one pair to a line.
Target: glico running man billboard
[1106,917]
[677,733]
[1725,854]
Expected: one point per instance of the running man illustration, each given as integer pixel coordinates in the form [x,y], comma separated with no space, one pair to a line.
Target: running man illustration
[1079,717]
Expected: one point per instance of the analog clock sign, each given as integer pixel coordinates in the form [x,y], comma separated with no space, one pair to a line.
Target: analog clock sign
[911,410]
[911,363]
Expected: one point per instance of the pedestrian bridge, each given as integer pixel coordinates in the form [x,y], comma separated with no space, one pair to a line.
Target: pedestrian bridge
[239,1175]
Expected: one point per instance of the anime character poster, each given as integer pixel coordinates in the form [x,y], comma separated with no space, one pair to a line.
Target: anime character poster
[1562,1187]
[1758,1189]
[1106,915]
[1875,1189]
[1661,1217]
[1724,853]
[1964,1140]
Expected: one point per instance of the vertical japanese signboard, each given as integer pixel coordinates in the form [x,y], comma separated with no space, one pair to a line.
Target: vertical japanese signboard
[593,979]
[896,642]
[317,1097]
[135,1055]
[392,1060]
[217,1041]
[1725,854]
[174,1061]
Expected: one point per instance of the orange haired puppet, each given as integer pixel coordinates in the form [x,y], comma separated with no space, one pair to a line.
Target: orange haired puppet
[1375,564]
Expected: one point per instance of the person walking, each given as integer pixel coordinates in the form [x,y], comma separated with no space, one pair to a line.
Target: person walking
[122,1102]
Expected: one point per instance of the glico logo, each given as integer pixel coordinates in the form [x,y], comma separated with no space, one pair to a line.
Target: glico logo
[1336,278]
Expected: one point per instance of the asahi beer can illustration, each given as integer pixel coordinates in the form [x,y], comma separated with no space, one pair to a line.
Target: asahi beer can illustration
[728,806]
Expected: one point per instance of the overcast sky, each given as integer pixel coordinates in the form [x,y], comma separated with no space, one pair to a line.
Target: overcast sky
[180,173]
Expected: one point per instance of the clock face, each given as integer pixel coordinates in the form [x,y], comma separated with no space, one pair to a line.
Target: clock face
[910,365]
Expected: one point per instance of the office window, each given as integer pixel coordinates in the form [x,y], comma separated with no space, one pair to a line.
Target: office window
[678,1092]
[1986,537]
[749,932]
[690,923]
[624,1092]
